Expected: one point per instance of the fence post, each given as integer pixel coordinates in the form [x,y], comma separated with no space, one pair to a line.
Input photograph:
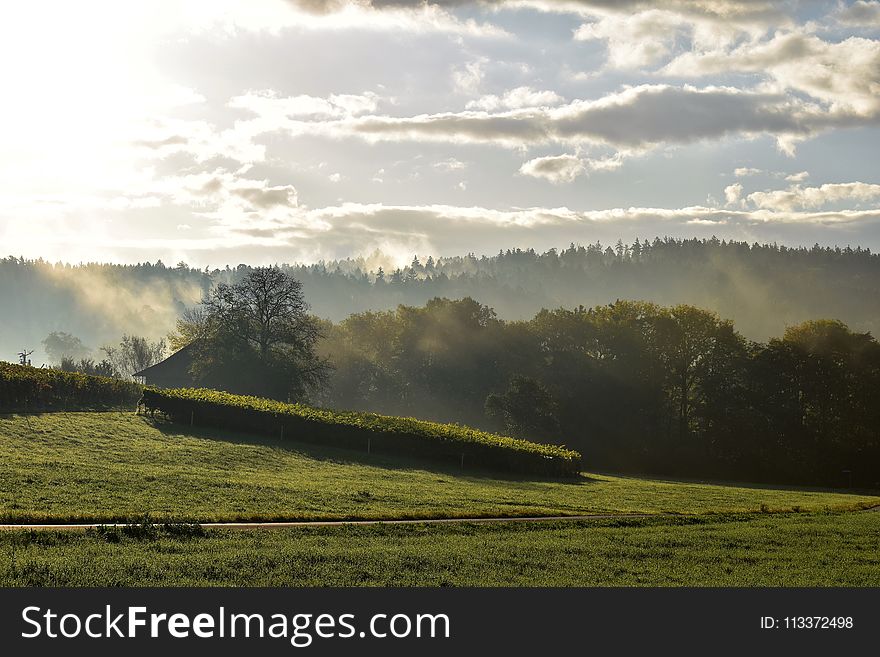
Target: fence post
[368,444]
[462,460]
[282,432]
[192,418]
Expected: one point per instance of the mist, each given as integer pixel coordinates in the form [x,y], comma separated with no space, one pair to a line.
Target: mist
[97,303]
[762,288]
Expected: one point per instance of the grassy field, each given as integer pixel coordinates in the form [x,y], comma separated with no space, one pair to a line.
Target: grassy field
[115,466]
[752,550]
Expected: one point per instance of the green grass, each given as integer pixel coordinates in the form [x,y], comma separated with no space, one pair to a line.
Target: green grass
[751,550]
[114,466]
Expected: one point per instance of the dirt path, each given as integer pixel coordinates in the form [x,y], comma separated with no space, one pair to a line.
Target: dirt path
[339,523]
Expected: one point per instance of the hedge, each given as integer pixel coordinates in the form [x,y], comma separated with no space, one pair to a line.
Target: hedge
[365,431]
[26,388]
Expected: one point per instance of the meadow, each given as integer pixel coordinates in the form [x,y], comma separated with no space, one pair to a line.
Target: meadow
[112,466]
[833,549]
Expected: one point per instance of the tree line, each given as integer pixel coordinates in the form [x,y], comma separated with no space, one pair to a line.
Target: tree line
[762,287]
[633,385]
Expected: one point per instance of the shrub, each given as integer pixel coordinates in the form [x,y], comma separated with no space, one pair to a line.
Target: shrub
[367,431]
[25,388]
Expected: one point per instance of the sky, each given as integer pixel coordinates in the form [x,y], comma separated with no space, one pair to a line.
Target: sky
[258,131]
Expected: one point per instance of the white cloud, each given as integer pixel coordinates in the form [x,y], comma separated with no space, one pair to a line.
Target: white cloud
[328,15]
[733,194]
[268,104]
[742,172]
[226,198]
[565,168]
[469,78]
[800,176]
[517,99]
[556,168]
[607,163]
[635,40]
[797,197]
[637,32]
[450,164]
[845,75]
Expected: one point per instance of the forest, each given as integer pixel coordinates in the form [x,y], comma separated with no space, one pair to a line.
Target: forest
[633,386]
[761,287]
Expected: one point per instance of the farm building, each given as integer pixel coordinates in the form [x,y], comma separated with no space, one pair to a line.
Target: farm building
[173,372]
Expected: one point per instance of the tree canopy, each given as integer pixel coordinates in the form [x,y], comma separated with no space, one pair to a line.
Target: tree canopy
[255,336]
[632,385]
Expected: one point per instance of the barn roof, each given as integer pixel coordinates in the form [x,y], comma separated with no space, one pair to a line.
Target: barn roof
[177,364]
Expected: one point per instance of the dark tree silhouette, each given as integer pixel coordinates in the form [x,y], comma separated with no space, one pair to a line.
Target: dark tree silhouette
[525,410]
[255,336]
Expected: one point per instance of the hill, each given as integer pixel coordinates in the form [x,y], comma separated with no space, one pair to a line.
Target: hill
[115,466]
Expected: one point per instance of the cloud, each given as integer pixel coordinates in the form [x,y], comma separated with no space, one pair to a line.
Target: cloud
[222,198]
[469,78]
[800,176]
[266,197]
[565,168]
[267,103]
[641,34]
[171,140]
[739,11]
[354,228]
[797,197]
[450,164]
[309,235]
[556,169]
[607,163]
[516,99]
[631,121]
[733,194]
[635,118]
[164,136]
[414,17]
[637,32]
[635,41]
[268,112]
[845,75]
[862,13]
[742,172]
